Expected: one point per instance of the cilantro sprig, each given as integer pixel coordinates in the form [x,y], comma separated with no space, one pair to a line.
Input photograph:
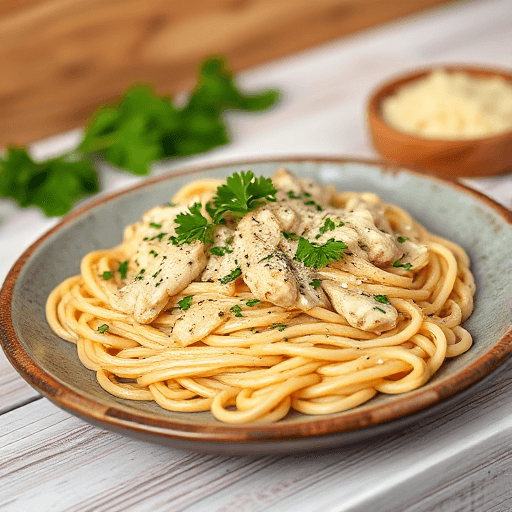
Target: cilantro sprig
[318,256]
[131,134]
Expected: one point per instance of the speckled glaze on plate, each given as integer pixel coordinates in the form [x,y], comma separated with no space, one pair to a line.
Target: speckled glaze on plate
[51,365]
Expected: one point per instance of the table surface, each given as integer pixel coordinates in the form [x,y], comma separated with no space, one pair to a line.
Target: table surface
[459,460]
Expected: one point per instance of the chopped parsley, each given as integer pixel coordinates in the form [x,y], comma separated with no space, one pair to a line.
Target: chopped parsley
[155,225]
[312,203]
[399,264]
[292,195]
[329,225]
[267,257]
[279,327]
[102,329]
[185,303]
[290,236]
[231,276]
[402,239]
[318,256]
[153,252]
[140,275]
[379,309]
[107,275]
[237,310]
[315,283]
[159,236]
[155,275]
[123,269]
[251,303]
[221,251]
[382,299]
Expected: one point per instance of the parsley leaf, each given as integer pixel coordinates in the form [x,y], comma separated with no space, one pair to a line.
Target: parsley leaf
[328,226]
[382,299]
[318,256]
[399,264]
[192,226]
[252,302]
[241,194]
[102,329]
[54,185]
[185,303]
[401,239]
[379,309]
[237,310]
[107,275]
[279,327]
[123,269]
[315,283]
[231,276]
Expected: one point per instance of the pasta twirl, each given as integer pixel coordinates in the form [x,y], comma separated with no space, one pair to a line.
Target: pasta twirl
[302,297]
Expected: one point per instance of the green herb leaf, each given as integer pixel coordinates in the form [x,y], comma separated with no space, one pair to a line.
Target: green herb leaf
[279,327]
[399,264]
[53,186]
[123,269]
[290,236]
[315,283]
[185,303]
[241,194]
[328,225]
[382,299]
[379,309]
[155,225]
[237,310]
[402,239]
[318,256]
[231,276]
[102,329]
[221,251]
[107,275]
[252,302]
[192,226]
[140,275]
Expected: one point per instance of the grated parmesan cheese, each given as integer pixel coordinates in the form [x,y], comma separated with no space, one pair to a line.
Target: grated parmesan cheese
[451,106]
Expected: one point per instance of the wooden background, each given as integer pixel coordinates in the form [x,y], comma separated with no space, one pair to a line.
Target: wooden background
[59,59]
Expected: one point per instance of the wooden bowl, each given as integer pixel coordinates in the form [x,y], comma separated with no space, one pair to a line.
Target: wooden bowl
[457,158]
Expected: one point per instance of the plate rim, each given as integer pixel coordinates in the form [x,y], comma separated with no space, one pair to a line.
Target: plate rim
[134,421]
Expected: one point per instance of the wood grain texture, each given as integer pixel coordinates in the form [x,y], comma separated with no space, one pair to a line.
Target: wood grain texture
[61,58]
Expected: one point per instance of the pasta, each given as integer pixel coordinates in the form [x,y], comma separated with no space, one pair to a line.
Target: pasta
[310,299]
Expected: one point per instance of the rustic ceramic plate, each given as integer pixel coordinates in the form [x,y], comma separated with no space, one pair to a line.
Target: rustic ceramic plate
[51,365]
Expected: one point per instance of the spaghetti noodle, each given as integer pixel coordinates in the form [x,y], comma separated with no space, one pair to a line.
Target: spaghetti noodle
[381,316]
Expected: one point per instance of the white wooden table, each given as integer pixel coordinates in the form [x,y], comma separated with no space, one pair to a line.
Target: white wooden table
[52,461]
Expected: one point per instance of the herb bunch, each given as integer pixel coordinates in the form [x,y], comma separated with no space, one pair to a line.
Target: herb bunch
[131,134]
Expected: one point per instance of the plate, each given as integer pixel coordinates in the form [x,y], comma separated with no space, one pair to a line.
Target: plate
[51,365]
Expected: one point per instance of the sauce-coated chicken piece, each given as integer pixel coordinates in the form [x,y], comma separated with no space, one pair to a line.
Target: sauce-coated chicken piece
[361,311]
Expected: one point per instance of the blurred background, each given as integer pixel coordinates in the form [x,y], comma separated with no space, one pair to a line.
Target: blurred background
[60,59]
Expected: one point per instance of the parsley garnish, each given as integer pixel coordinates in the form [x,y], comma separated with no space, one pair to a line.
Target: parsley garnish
[192,226]
[312,203]
[153,252]
[241,194]
[155,225]
[291,194]
[379,309]
[231,276]
[237,310]
[185,303]
[318,256]
[315,283]
[328,226]
[102,329]
[290,236]
[123,269]
[402,239]
[107,275]
[140,275]
[382,299]
[251,303]
[159,236]
[399,264]
[279,327]
[221,251]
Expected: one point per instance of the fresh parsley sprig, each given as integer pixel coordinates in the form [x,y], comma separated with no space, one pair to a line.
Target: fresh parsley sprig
[318,256]
[131,134]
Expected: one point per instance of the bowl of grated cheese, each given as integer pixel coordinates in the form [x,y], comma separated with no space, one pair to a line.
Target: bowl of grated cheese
[450,120]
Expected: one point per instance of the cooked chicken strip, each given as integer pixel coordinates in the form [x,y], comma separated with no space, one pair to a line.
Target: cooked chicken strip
[361,311]
[166,274]
[220,265]
[199,321]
